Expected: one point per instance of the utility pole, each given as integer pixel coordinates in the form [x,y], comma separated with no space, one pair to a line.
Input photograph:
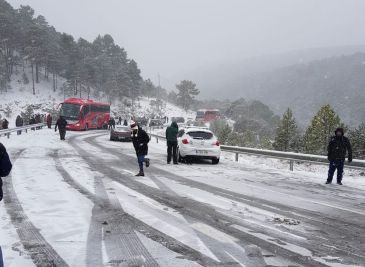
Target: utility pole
[158,93]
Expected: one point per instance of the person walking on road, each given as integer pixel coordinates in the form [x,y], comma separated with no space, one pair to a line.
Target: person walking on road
[49,120]
[140,142]
[337,148]
[171,137]
[5,167]
[61,124]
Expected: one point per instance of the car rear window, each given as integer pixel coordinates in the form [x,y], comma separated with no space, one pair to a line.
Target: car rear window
[123,128]
[200,135]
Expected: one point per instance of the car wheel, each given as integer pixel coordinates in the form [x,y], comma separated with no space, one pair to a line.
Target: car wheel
[215,161]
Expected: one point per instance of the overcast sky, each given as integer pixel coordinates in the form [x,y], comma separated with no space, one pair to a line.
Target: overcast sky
[175,36]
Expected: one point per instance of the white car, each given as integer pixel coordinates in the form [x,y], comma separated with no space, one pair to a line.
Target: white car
[198,142]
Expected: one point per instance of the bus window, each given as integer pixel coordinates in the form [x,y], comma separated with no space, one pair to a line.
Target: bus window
[70,111]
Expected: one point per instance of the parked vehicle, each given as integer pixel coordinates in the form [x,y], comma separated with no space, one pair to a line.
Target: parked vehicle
[84,114]
[198,142]
[207,115]
[157,123]
[121,133]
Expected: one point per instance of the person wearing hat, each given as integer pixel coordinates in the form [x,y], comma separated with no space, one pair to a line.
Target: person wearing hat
[140,141]
[337,148]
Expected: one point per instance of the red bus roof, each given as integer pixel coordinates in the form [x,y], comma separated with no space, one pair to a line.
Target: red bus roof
[84,102]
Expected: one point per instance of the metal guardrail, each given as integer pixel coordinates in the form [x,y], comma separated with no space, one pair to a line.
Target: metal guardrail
[291,157]
[19,130]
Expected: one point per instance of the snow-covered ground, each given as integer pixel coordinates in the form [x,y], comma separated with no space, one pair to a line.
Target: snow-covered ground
[82,202]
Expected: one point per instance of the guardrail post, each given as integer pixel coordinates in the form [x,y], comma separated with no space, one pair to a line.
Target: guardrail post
[8,135]
[237,155]
[291,164]
[157,139]
[26,130]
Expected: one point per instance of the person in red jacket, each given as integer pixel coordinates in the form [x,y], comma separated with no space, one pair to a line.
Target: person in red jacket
[49,120]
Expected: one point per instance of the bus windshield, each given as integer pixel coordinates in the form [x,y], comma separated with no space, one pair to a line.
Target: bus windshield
[70,111]
[200,114]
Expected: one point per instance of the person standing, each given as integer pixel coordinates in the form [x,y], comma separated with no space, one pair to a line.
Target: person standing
[125,123]
[140,141]
[337,148]
[5,124]
[120,120]
[19,123]
[171,137]
[5,168]
[49,120]
[61,124]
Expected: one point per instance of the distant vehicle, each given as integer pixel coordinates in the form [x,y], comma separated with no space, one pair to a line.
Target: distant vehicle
[121,133]
[142,121]
[207,115]
[197,142]
[178,119]
[85,114]
[156,123]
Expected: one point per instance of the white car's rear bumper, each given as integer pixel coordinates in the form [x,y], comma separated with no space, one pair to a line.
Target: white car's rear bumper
[189,151]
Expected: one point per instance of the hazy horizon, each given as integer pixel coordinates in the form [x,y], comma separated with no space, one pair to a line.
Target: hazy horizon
[175,37]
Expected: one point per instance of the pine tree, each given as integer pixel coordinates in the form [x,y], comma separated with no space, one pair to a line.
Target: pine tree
[319,132]
[186,92]
[286,133]
[357,138]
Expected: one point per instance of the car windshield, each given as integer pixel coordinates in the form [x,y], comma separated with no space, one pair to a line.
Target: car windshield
[70,111]
[200,114]
[200,135]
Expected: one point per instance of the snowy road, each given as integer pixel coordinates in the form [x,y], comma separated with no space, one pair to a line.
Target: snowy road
[77,203]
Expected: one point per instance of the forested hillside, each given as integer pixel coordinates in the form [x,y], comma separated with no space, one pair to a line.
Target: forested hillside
[101,66]
[339,81]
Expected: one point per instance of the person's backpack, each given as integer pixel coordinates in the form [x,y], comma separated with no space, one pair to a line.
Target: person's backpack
[5,163]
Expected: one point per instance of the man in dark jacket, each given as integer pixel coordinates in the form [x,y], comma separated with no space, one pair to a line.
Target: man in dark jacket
[5,167]
[5,124]
[61,124]
[19,123]
[337,148]
[140,142]
[171,137]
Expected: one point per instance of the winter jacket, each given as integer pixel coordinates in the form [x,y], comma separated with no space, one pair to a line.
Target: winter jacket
[5,167]
[171,132]
[140,142]
[5,164]
[338,146]
[18,121]
[49,119]
[5,124]
[61,124]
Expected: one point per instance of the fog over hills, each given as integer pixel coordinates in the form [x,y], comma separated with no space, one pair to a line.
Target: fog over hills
[303,80]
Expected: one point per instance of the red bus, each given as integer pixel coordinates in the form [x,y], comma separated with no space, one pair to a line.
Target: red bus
[207,115]
[84,114]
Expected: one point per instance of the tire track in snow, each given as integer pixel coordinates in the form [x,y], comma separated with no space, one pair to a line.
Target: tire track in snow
[335,227]
[41,252]
[109,223]
[194,209]
[106,210]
